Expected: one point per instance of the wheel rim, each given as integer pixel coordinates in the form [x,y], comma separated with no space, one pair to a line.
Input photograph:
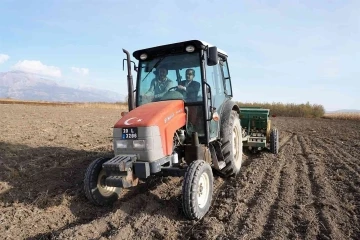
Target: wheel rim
[104,190]
[236,146]
[203,190]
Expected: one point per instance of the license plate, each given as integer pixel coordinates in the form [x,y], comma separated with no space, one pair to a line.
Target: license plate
[129,133]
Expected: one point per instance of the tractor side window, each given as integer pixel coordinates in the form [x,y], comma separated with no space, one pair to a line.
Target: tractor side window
[227,81]
[225,69]
[215,80]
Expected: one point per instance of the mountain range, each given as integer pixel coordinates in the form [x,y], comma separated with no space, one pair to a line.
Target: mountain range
[345,111]
[27,86]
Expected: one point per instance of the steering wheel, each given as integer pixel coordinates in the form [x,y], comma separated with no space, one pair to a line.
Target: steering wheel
[173,93]
[172,88]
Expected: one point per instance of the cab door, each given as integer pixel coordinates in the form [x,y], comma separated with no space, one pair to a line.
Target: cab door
[226,77]
[215,79]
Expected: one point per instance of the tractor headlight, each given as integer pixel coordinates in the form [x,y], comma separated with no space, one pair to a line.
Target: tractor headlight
[143,56]
[139,144]
[190,48]
[122,143]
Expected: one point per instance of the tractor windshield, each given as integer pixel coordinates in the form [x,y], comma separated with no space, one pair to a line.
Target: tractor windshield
[170,77]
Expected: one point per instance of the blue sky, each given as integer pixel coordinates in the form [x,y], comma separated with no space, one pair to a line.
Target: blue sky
[279,51]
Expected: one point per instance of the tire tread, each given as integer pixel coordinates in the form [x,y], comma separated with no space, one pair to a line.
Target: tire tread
[191,179]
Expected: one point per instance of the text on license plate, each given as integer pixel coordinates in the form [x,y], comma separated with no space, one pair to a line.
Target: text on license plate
[129,133]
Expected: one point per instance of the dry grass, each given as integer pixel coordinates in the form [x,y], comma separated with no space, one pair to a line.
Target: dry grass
[121,106]
[343,116]
[289,109]
[15,101]
[278,109]
[116,105]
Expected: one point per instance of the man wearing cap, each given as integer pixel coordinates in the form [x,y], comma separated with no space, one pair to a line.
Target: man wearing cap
[160,85]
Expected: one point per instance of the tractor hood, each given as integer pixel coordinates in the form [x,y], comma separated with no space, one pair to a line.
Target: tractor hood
[155,114]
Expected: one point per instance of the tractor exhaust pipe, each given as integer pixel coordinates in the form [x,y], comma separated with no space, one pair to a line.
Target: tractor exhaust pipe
[130,82]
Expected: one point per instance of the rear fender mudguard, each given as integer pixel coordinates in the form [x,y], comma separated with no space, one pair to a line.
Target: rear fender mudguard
[225,111]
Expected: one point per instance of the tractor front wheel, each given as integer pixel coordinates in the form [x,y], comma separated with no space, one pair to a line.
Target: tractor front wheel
[94,185]
[274,141]
[197,190]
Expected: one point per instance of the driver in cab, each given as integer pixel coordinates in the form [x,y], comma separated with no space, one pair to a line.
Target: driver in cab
[159,85]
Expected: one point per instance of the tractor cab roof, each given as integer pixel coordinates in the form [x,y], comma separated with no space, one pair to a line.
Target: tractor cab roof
[174,48]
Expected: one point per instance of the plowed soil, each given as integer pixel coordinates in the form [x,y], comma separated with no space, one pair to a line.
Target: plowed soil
[310,190]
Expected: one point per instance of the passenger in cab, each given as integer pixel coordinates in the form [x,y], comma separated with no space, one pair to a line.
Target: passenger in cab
[189,88]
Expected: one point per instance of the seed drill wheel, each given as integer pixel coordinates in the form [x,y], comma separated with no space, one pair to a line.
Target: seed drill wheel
[197,189]
[231,144]
[268,130]
[274,141]
[94,185]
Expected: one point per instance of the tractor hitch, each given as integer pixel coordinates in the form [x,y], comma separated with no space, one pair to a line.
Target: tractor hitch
[130,180]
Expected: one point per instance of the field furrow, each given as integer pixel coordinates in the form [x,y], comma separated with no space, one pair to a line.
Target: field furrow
[262,205]
[325,197]
[343,165]
[285,139]
[281,210]
[340,177]
[349,148]
[352,161]
[305,217]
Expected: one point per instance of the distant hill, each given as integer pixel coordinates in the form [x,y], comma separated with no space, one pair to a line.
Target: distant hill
[28,86]
[345,111]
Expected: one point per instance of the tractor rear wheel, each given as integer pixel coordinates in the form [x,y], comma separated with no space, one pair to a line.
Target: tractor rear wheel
[231,144]
[197,190]
[94,185]
[274,141]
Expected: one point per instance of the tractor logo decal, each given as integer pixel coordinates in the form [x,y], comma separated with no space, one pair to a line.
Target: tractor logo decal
[179,111]
[127,122]
[168,118]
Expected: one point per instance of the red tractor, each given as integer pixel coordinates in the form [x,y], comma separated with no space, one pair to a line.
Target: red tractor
[181,122]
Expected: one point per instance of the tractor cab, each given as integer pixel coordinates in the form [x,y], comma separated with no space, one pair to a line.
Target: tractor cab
[193,71]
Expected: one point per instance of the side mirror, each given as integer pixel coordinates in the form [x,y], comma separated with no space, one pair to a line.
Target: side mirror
[135,67]
[212,56]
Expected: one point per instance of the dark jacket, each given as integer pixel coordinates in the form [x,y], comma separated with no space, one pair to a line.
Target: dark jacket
[192,90]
